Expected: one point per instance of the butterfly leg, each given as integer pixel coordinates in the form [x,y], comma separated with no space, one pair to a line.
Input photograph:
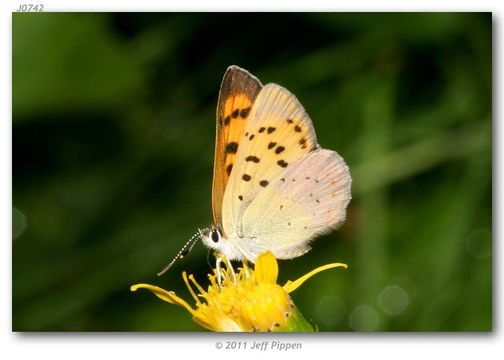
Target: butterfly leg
[231,271]
[218,262]
[223,274]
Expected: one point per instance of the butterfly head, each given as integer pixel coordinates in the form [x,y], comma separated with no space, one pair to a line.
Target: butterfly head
[216,239]
[213,237]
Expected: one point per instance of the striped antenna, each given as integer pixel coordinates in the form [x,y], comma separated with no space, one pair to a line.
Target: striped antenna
[185,249]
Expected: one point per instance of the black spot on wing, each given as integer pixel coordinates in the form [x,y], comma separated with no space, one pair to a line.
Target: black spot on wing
[282,163]
[252,158]
[245,112]
[231,148]
[279,149]
[261,130]
[251,137]
[271,145]
[235,113]
[264,183]
[246,177]
[271,129]
[229,168]
[227,120]
[297,128]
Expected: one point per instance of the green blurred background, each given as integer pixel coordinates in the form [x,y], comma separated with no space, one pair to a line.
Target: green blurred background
[113,136]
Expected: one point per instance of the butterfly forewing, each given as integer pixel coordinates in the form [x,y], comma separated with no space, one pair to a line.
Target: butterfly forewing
[278,132]
[238,92]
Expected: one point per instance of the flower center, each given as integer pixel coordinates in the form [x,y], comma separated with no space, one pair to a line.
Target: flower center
[266,306]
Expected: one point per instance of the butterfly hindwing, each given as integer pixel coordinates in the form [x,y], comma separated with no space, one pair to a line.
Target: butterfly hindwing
[238,92]
[309,198]
[277,133]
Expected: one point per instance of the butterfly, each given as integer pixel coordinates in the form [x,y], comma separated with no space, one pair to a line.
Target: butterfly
[274,188]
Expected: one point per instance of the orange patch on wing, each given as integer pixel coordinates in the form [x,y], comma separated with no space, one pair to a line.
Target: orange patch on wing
[235,107]
[238,92]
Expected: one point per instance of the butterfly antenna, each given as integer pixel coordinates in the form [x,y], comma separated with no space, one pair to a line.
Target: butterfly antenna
[184,251]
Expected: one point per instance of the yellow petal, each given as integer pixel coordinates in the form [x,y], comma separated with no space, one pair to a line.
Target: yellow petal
[164,295]
[203,323]
[290,286]
[266,269]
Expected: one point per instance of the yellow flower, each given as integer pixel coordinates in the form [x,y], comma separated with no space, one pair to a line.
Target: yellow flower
[249,300]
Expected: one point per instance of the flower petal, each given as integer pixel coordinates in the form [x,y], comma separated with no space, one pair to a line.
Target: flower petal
[290,286]
[167,296]
[200,320]
[266,269]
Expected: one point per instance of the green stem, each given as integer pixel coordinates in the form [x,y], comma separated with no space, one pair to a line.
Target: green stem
[296,323]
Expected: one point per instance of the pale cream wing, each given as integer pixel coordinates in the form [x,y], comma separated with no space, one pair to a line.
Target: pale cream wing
[308,199]
[277,133]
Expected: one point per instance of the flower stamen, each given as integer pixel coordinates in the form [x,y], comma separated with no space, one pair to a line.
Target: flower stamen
[246,269]
[198,286]
[193,294]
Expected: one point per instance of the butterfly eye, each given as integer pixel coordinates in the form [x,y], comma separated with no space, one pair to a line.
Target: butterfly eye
[215,235]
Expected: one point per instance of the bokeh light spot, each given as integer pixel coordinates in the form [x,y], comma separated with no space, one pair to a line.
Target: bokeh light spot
[331,310]
[18,223]
[363,318]
[393,300]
